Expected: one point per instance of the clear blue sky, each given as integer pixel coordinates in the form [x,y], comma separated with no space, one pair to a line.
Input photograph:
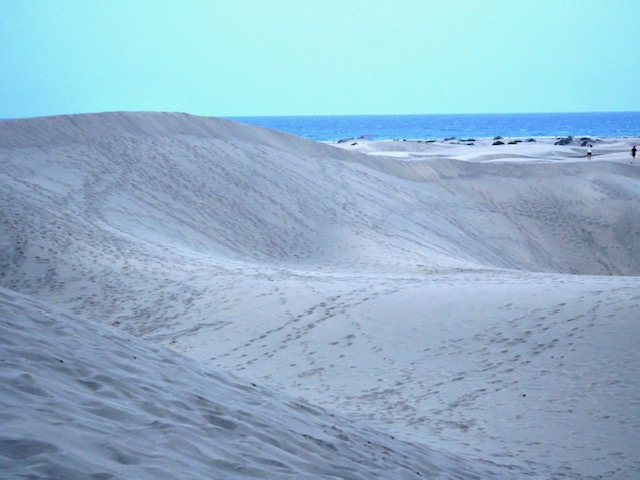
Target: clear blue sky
[315,57]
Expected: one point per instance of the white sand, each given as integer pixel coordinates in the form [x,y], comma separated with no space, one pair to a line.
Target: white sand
[83,401]
[481,300]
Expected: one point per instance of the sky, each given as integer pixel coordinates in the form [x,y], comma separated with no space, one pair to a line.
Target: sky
[318,57]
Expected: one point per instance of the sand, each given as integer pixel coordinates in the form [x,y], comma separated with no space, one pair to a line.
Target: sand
[471,310]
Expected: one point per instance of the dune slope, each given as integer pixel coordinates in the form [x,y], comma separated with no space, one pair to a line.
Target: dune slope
[218,188]
[81,401]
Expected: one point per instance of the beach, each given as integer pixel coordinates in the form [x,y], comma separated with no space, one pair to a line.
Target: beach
[285,308]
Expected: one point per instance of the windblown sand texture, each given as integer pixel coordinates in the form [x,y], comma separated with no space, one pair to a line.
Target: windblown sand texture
[449,310]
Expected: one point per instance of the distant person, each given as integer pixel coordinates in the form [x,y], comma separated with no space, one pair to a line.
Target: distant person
[633,153]
[589,147]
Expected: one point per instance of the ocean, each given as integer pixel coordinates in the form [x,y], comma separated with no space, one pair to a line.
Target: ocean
[461,126]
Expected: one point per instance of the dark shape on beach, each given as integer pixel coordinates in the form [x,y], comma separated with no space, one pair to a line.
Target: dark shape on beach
[498,142]
[564,141]
[532,140]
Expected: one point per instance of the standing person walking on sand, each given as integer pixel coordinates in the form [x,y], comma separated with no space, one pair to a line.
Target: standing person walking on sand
[589,150]
[633,153]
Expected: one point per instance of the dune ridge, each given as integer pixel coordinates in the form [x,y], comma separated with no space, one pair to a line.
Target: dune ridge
[272,197]
[479,303]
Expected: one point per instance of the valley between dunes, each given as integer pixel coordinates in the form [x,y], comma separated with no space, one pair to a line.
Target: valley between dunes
[189,297]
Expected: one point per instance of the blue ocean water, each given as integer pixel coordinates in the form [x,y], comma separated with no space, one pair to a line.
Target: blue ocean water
[425,127]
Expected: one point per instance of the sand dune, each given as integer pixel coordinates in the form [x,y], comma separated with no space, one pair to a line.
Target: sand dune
[81,401]
[480,299]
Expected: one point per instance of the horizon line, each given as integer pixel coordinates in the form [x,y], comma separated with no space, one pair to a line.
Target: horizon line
[309,115]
